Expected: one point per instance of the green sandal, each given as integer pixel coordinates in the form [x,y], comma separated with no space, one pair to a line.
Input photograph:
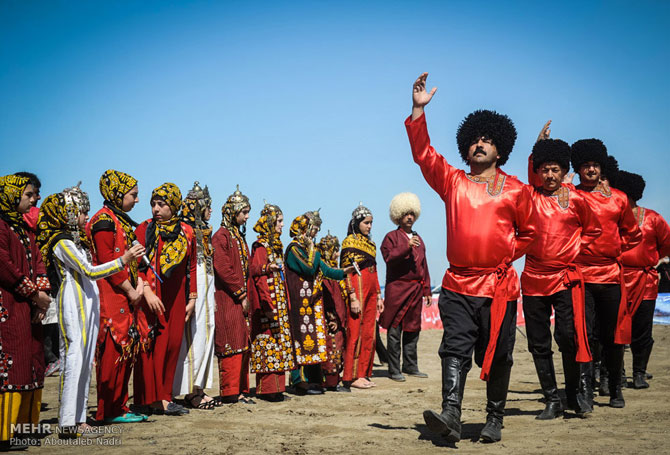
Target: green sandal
[128,417]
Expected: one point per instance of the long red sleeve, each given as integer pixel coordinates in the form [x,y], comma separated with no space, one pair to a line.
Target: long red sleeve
[226,258]
[104,246]
[257,272]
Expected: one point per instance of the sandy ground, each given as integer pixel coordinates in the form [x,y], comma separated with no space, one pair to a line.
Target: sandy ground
[388,419]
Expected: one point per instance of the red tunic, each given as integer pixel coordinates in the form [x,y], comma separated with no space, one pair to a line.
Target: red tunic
[21,348]
[565,225]
[639,263]
[230,281]
[599,260]
[116,316]
[158,362]
[407,281]
[489,225]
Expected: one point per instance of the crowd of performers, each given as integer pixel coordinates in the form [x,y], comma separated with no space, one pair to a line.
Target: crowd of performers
[590,250]
[168,299]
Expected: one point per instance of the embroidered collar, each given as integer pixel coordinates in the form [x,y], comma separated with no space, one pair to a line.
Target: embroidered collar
[494,183]
[601,188]
[639,215]
[562,195]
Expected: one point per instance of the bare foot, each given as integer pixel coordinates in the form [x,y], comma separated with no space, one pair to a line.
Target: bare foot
[361,383]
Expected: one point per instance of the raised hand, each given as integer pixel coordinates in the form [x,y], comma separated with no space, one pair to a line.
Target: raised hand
[420,97]
[135,252]
[545,133]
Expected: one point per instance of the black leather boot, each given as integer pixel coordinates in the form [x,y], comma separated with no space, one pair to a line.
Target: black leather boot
[547,376]
[604,389]
[586,381]
[576,400]
[448,423]
[614,361]
[496,396]
[640,361]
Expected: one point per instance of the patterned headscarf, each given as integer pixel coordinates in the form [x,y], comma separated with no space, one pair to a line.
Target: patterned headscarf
[175,243]
[328,246]
[11,189]
[235,203]
[114,185]
[59,220]
[265,226]
[192,213]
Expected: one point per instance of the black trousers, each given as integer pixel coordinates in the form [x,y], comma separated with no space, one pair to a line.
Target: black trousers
[537,312]
[643,322]
[602,311]
[395,338]
[467,325]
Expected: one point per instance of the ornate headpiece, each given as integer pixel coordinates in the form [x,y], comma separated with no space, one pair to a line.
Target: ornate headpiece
[76,202]
[196,202]
[235,203]
[328,246]
[358,215]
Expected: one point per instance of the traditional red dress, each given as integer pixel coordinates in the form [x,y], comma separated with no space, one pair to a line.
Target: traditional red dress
[360,344]
[489,226]
[407,282]
[22,274]
[115,350]
[271,343]
[599,261]
[640,274]
[161,334]
[231,265]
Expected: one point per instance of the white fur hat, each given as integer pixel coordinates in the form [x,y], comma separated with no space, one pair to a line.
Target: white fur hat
[402,204]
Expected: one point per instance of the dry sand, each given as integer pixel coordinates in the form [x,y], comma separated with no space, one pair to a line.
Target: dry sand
[388,419]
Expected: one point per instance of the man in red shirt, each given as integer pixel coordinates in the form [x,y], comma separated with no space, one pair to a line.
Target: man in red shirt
[489,225]
[640,274]
[606,315]
[565,225]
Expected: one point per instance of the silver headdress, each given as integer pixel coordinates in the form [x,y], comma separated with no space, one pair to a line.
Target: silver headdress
[76,202]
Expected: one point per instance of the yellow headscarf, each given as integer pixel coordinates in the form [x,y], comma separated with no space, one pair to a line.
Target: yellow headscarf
[114,185]
[265,226]
[175,243]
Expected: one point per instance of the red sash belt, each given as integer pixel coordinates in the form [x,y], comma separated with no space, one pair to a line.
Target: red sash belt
[638,287]
[573,279]
[624,323]
[498,306]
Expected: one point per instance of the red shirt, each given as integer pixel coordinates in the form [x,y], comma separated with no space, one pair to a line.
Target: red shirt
[565,225]
[642,259]
[489,222]
[620,232]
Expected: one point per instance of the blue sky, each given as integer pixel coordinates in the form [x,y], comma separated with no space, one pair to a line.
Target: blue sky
[303,103]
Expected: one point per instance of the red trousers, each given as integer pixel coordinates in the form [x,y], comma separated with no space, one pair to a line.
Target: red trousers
[155,370]
[234,374]
[359,350]
[267,383]
[112,380]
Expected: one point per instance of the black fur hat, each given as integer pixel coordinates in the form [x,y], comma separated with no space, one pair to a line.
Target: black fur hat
[585,150]
[554,150]
[631,184]
[611,170]
[497,127]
